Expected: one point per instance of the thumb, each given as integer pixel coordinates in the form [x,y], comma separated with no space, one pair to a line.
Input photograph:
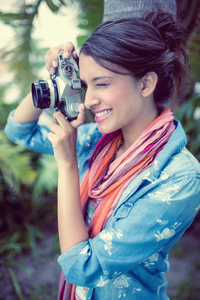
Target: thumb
[81,117]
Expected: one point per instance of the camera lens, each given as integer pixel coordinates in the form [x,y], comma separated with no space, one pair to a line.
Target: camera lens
[41,94]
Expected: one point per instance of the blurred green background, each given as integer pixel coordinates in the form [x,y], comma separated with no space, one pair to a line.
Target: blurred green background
[28,180]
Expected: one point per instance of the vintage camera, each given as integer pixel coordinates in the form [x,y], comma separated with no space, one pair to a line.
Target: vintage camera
[62,91]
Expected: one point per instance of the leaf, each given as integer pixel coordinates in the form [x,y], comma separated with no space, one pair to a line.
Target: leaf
[159,221]
[25,269]
[63,2]
[90,16]
[8,18]
[33,233]
[55,243]
[11,246]
[47,176]
[191,124]
[16,284]
[14,164]
[53,7]
[194,52]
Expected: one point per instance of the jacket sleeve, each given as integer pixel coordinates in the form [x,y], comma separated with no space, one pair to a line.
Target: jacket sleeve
[30,135]
[34,136]
[138,229]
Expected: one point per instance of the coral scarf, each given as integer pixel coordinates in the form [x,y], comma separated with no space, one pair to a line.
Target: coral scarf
[107,177]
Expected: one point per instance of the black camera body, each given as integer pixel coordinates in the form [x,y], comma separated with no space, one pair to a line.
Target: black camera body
[62,91]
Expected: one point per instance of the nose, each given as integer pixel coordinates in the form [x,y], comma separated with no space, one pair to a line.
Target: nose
[91,99]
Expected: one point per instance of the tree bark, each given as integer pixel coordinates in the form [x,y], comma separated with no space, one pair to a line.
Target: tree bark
[117,9]
[187,12]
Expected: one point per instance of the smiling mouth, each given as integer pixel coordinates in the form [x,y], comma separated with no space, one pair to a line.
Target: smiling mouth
[102,113]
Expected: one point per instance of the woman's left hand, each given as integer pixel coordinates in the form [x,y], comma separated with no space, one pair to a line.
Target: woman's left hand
[63,137]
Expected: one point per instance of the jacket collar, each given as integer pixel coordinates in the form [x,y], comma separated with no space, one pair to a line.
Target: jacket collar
[177,141]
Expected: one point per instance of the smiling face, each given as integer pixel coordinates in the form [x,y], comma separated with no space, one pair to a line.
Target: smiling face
[115,99]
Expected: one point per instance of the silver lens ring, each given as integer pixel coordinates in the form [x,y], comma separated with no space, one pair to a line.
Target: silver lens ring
[52,93]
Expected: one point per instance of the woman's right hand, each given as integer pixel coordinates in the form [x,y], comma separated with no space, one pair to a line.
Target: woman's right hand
[51,57]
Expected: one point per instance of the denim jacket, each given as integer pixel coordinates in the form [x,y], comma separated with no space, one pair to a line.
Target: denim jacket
[128,259]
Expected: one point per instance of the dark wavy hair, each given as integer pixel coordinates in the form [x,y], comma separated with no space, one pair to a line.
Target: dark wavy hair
[135,46]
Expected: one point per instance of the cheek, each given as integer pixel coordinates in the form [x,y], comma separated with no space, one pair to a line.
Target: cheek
[116,97]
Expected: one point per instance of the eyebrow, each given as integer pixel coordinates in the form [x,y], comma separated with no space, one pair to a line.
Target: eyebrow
[101,77]
[98,78]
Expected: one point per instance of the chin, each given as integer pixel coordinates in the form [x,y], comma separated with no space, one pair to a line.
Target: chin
[106,129]
[102,129]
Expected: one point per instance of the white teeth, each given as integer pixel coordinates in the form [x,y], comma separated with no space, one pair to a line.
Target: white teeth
[103,113]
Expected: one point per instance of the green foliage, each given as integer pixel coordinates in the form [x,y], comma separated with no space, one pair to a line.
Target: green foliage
[189,115]
[187,291]
[47,177]
[197,264]
[16,284]
[25,57]
[5,109]
[44,292]
[22,175]
[14,165]
[12,247]
[178,251]
[194,54]
[90,16]
[27,181]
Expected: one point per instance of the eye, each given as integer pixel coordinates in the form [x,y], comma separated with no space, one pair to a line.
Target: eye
[101,84]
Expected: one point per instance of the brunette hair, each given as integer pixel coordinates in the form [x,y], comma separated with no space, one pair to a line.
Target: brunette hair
[135,46]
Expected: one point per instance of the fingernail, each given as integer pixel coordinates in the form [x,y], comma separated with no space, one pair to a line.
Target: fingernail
[52,71]
[75,54]
[66,54]
[82,106]
[54,63]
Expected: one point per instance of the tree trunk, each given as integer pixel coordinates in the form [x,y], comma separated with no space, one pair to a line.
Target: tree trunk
[117,9]
[186,11]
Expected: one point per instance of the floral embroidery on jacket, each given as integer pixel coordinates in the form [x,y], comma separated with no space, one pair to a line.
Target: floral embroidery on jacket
[136,290]
[161,195]
[167,232]
[107,238]
[166,193]
[121,283]
[163,222]
[102,281]
[150,261]
[174,188]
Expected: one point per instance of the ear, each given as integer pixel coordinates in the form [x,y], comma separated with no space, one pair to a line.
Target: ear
[149,82]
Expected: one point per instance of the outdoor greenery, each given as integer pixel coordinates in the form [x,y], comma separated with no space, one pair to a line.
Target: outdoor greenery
[28,180]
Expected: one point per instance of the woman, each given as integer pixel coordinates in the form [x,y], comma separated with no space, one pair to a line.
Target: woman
[140,186]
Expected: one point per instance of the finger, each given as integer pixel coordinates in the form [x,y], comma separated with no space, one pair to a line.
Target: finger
[51,57]
[68,49]
[51,137]
[60,118]
[67,54]
[81,117]
[55,128]
[76,58]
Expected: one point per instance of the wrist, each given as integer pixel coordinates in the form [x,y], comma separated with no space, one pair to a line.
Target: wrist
[70,164]
[66,158]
